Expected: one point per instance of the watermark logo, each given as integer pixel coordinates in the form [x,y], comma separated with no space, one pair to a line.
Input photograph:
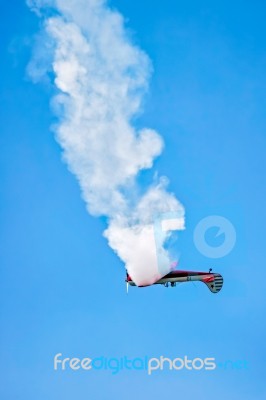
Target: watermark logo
[224,227]
[147,364]
[165,223]
[125,363]
[178,364]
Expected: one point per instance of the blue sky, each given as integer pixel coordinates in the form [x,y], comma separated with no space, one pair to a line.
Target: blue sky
[62,287]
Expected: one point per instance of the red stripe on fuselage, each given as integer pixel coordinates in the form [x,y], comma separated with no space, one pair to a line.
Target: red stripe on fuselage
[176,274]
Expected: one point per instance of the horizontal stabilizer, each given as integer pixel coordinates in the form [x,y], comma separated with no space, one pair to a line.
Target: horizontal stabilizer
[214,282]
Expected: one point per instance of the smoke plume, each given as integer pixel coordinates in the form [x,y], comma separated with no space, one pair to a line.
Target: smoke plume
[99,79]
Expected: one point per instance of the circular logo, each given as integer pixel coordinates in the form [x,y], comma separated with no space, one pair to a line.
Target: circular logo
[224,226]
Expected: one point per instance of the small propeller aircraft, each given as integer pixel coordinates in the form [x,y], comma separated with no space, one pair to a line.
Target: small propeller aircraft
[214,281]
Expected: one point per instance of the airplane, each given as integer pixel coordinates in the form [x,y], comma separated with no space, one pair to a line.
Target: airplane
[213,280]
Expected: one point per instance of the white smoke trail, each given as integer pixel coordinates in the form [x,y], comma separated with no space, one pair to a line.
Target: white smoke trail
[100,77]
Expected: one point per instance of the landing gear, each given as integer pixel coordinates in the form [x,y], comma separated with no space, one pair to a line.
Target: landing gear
[166,284]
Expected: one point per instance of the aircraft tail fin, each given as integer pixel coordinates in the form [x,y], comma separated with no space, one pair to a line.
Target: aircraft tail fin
[214,283]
